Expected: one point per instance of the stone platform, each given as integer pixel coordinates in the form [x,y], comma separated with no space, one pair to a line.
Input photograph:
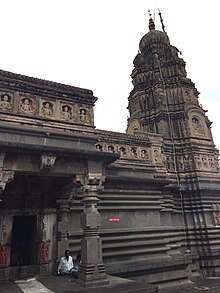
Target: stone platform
[116,285]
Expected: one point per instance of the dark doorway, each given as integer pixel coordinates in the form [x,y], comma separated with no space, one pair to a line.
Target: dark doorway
[23,240]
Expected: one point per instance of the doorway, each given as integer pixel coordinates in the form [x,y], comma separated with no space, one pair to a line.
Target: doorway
[23,241]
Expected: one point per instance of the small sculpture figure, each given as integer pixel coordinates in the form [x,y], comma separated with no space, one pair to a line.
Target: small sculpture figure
[144,154]
[122,151]
[47,109]
[133,152]
[5,103]
[111,149]
[156,156]
[26,106]
[82,115]
[198,126]
[66,113]
[99,147]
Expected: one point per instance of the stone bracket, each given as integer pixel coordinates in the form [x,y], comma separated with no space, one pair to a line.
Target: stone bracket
[5,177]
[47,162]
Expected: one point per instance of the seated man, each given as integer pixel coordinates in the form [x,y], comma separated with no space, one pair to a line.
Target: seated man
[66,266]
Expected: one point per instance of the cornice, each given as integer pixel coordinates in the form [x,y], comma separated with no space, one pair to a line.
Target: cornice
[35,85]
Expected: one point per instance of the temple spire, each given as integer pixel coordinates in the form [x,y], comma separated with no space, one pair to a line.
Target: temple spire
[161,20]
[151,22]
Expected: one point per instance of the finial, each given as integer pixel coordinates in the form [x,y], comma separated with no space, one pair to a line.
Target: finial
[161,20]
[151,22]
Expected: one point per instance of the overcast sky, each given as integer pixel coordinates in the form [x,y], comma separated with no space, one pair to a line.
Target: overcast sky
[92,44]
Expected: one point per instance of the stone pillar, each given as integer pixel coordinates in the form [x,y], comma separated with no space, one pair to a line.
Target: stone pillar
[62,226]
[5,177]
[92,271]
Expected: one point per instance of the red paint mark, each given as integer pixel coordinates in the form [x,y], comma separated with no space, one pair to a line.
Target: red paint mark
[3,256]
[113,219]
[44,251]
[217,218]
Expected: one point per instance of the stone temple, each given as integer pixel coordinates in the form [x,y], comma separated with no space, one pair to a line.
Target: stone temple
[144,204]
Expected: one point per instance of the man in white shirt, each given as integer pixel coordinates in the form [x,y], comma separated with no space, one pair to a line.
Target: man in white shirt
[66,266]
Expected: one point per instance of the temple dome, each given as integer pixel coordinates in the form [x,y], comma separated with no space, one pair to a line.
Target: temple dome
[153,37]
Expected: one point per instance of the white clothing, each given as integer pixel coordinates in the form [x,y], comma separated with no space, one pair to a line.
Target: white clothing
[65,265]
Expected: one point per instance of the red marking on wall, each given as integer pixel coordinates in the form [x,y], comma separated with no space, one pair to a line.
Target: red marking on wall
[217,218]
[43,252]
[3,256]
[113,219]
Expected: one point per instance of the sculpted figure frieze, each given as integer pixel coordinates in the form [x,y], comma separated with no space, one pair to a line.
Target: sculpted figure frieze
[26,105]
[47,109]
[66,112]
[144,154]
[122,151]
[6,102]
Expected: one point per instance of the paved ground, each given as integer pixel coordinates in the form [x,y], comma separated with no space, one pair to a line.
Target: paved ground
[209,285]
[53,284]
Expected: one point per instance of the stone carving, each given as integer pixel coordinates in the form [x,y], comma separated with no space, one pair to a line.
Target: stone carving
[188,96]
[170,163]
[187,161]
[159,96]
[183,127]
[44,228]
[142,102]
[122,151]
[197,126]
[207,163]
[135,106]
[26,106]
[198,162]
[111,149]
[144,155]
[157,158]
[180,163]
[47,109]
[211,163]
[66,112]
[5,102]
[5,177]
[162,127]
[204,163]
[47,162]
[99,147]
[133,152]
[83,115]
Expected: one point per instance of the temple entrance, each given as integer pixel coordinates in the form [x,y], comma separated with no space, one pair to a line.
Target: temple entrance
[23,241]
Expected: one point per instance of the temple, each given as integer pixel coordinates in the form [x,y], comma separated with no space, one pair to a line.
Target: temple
[143,204]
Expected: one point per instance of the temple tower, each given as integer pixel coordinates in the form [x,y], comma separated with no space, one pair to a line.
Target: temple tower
[165,101]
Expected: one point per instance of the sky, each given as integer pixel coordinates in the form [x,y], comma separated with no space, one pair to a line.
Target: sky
[92,44]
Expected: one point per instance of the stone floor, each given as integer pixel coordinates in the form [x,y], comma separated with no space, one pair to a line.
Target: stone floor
[53,284]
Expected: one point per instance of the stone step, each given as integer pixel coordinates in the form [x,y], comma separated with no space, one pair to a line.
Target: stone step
[117,285]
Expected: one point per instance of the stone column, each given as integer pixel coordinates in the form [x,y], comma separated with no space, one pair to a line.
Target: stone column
[62,226]
[5,177]
[92,271]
